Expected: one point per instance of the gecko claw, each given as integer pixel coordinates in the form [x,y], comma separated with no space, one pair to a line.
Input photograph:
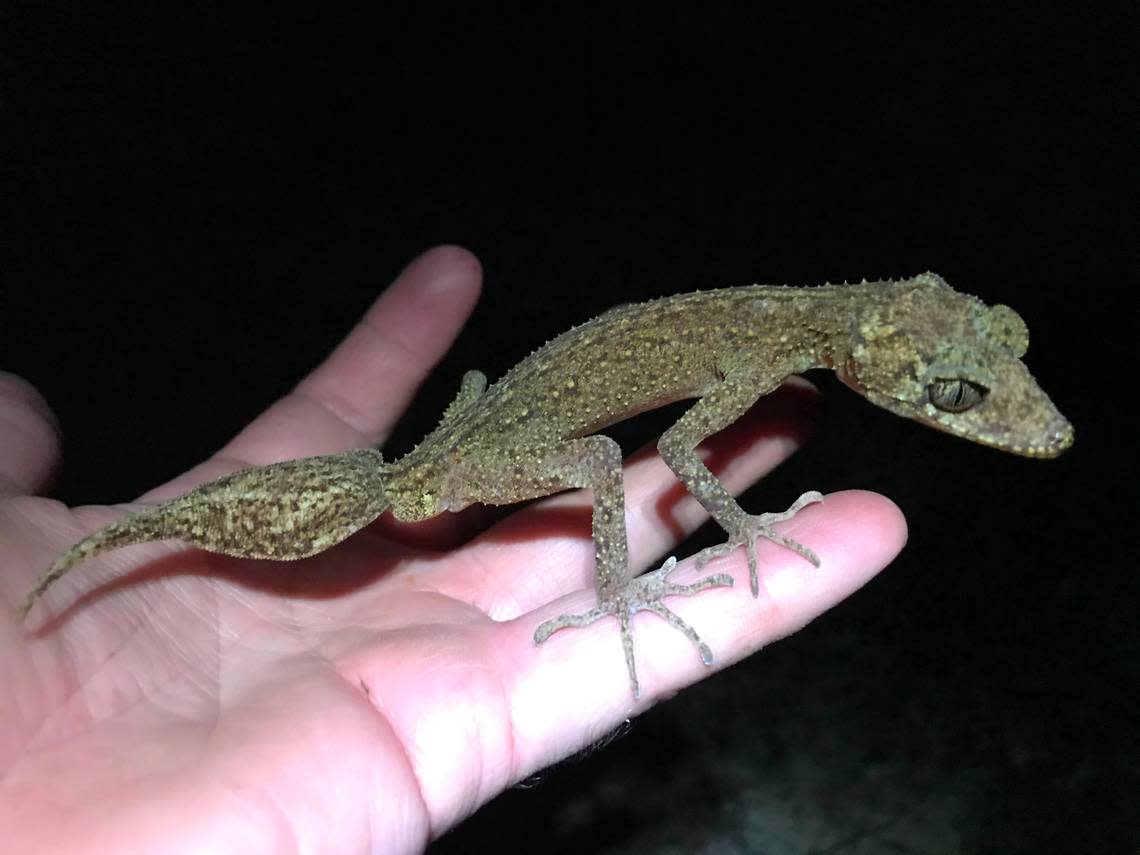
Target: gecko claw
[641,593]
[750,527]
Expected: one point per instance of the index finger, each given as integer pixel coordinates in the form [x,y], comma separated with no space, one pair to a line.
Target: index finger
[355,396]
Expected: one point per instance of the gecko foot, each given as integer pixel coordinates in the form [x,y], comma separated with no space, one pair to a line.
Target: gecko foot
[643,592]
[749,527]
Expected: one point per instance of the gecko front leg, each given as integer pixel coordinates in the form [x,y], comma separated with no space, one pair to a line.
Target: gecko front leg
[595,462]
[641,592]
[713,412]
[744,529]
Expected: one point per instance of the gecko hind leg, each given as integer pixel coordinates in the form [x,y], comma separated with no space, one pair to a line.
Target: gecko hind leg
[646,593]
[748,527]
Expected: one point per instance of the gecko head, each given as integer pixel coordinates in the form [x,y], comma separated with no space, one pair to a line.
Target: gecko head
[927,352]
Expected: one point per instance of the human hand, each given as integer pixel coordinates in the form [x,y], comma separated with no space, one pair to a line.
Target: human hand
[376,694]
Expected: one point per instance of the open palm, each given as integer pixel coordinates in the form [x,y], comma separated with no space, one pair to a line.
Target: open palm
[166,699]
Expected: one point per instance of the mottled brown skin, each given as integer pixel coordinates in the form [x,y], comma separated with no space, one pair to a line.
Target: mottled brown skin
[915,347]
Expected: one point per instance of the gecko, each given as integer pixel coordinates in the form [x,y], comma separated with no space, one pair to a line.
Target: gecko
[915,346]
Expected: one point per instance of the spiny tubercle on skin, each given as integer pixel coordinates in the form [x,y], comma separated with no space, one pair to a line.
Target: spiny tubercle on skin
[915,347]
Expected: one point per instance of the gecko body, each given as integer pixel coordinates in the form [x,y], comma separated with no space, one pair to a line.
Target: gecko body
[915,346]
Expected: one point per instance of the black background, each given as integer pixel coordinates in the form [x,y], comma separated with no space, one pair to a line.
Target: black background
[200,205]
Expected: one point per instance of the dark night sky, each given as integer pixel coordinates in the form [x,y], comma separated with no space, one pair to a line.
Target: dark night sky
[200,206]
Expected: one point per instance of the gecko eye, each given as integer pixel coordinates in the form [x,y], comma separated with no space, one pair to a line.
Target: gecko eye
[955,395]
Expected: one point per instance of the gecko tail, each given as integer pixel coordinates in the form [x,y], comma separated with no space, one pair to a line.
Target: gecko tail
[283,511]
[137,528]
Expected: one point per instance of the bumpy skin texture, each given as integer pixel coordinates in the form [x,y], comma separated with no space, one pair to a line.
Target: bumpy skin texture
[915,347]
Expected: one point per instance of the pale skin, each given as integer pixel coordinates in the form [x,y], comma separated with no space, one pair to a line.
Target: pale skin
[377,693]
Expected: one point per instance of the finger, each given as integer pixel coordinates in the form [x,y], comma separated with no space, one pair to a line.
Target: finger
[578,670]
[546,551]
[29,438]
[354,397]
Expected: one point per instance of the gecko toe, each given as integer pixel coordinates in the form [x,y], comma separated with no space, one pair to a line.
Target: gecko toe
[548,628]
[749,528]
[642,593]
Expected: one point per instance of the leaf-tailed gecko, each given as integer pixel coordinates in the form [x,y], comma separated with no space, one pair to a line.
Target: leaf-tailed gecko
[916,347]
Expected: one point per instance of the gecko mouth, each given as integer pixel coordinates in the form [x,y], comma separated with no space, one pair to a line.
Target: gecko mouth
[1049,440]
[1040,431]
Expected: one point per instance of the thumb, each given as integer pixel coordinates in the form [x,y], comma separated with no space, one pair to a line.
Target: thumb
[29,438]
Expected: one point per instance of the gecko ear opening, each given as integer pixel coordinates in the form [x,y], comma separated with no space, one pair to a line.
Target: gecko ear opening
[955,394]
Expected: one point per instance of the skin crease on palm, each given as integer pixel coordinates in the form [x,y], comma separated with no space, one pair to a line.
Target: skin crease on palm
[370,697]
